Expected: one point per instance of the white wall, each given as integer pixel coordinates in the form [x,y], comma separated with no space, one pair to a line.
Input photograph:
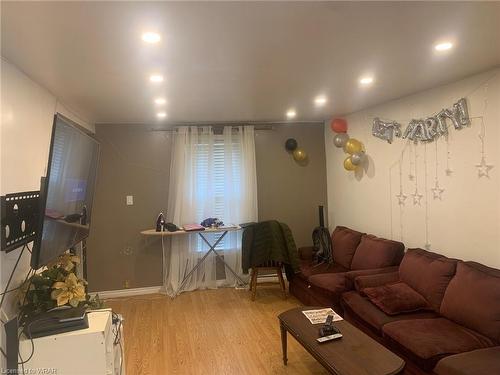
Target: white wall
[27,111]
[465,223]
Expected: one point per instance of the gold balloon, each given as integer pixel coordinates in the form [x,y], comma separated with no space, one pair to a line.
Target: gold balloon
[299,154]
[353,145]
[348,164]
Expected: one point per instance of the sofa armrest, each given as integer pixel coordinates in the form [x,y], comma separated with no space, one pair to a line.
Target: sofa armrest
[306,252]
[480,361]
[368,281]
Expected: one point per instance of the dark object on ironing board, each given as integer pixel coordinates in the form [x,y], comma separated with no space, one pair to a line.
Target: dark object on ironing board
[160,223]
[322,241]
[171,227]
[212,222]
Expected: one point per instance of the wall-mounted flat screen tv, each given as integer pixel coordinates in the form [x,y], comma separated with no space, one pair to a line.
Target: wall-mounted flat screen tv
[67,191]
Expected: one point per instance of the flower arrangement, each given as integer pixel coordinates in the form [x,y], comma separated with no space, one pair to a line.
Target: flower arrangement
[57,285]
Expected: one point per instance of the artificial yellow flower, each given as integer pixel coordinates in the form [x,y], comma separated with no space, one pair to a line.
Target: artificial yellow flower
[66,261]
[71,290]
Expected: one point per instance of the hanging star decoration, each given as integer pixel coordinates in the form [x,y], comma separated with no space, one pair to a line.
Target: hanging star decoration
[417,197]
[437,191]
[483,168]
[401,198]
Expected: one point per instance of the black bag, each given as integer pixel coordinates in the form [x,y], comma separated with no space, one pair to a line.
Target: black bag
[322,243]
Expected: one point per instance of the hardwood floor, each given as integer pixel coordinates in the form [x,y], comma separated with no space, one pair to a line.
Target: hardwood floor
[210,332]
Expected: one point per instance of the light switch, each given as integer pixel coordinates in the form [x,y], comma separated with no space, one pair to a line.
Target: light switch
[130,200]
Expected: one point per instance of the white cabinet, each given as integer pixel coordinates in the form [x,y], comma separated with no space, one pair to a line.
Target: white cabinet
[90,351]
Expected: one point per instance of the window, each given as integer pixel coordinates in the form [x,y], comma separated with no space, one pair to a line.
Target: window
[217,177]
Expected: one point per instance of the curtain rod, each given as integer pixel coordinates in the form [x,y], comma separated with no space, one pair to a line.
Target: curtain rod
[218,123]
[259,125]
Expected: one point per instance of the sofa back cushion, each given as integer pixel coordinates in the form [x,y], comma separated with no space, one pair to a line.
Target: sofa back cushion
[428,273]
[373,252]
[344,243]
[473,299]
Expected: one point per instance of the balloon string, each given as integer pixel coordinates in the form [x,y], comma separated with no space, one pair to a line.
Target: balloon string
[427,244]
[437,162]
[390,204]
[416,169]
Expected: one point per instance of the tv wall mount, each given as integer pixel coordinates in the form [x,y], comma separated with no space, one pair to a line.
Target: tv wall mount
[20,218]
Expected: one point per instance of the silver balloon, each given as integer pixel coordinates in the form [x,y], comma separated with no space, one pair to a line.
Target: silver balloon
[448,114]
[425,130]
[386,130]
[442,128]
[430,124]
[340,139]
[357,158]
[461,113]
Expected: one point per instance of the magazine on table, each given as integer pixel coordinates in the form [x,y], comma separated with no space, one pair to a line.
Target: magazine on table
[319,316]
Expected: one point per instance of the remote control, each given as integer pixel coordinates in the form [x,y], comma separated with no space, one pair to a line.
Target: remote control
[329,320]
[329,338]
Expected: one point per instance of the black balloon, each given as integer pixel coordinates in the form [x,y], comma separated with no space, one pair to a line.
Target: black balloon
[291,144]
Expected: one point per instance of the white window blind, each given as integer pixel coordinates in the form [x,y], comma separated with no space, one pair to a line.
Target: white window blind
[214,170]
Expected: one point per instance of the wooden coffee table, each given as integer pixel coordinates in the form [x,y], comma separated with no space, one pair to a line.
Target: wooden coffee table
[354,354]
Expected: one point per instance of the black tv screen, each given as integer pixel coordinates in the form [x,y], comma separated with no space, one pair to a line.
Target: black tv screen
[67,191]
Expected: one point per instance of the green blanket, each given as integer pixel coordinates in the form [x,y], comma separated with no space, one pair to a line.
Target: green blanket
[269,240]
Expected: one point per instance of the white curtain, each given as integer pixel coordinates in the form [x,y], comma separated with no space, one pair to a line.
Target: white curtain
[211,175]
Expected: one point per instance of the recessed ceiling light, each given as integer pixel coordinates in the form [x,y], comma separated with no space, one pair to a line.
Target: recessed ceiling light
[160,101]
[161,115]
[151,37]
[443,46]
[291,113]
[156,78]
[320,100]
[365,81]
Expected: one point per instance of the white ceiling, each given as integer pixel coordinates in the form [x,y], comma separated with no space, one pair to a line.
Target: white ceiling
[243,61]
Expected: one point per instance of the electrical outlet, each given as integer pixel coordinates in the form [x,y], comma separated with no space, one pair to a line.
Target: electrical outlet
[130,200]
[126,284]
[127,251]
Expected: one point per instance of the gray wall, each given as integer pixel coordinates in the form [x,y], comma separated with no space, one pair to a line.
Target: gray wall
[136,161]
[288,191]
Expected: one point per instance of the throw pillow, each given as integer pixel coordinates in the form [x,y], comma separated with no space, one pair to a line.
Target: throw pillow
[396,298]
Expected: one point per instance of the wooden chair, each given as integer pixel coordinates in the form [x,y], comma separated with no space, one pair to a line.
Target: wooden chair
[268,266]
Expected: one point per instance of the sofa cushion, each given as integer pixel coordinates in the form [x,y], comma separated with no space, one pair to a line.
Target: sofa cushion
[428,273]
[475,362]
[364,311]
[330,285]
[307,269]
[370,281]
[344,244]
[396,298]
[473,299]
[375,252]
[429,340]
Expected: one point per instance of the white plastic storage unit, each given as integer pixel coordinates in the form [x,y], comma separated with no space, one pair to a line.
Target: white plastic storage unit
[89,351]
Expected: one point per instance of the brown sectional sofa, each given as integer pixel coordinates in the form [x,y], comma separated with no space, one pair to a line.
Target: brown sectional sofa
[354,254]
[460,324]
[449,318]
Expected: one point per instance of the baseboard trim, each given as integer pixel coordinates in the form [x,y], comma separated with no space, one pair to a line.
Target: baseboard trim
[106,294]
